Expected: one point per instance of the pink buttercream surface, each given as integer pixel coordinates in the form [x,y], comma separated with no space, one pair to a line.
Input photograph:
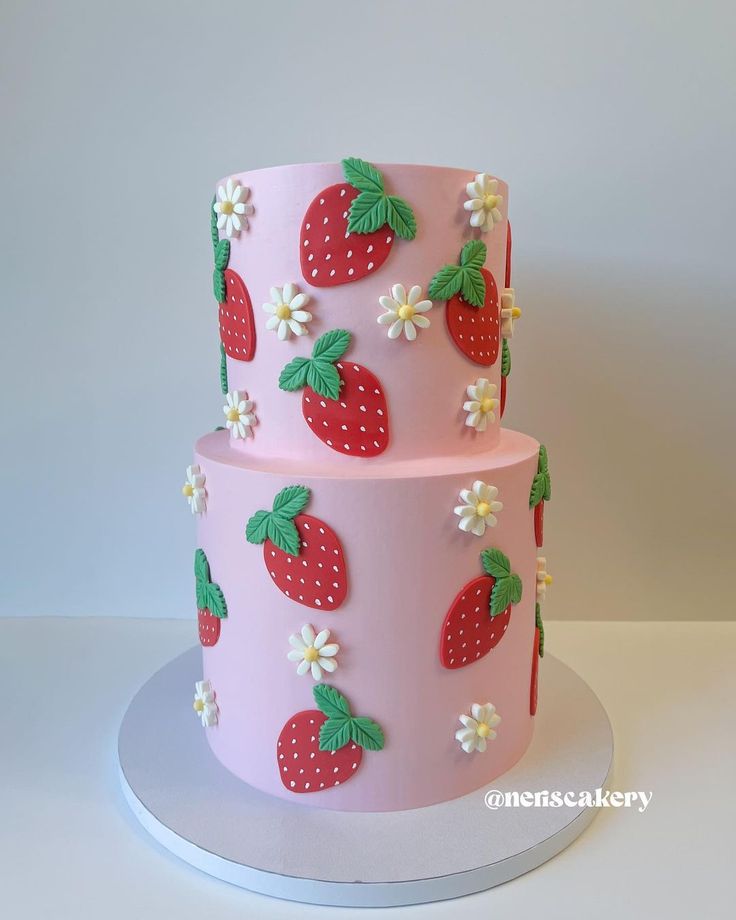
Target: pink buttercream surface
[406,560]
[425,380]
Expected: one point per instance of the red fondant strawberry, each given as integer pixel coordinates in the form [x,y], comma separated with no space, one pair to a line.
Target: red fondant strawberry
[321,748]
[303,555]
[343,402]
[540,493]
[211,606]
[237,324]
[472,311]
[537,653]
[507,274]
[479,615]
[505,371]
[349,228]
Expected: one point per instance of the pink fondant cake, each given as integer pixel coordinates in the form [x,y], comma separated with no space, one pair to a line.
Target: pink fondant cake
[367,574]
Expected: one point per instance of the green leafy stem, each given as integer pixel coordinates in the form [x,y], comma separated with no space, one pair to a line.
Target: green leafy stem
[505,358]
[319,371]
[342,726]
[222,257]
[278,524]
[374,207]
[507,587]
[540,626]
[224,386]
[464,278]
[209,595]
[541,484]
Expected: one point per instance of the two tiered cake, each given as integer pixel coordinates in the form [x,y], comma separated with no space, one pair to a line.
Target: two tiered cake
[367,571]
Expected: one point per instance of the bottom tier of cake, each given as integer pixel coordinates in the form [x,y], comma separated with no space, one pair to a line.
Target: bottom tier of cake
[429,621]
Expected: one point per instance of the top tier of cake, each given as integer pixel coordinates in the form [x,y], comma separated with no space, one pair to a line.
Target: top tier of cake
[320,247]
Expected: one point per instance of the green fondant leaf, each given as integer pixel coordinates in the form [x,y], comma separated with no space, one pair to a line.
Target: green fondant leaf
[209,595]
[473,254]
[294,375]
[214,232]
[500,595]
[400,218]
[495,563]
[330,701]
[222,254]
[256,530]
[283,533]
[515,589]
[465,277]
[368,212]
[540,626]
[505,359]
[223,370]
[218,286]
[367,733]
[362,175]
[201,566]
[332,345]
[291,501]
[216,601]
[543,468]
[473,286]
[446,283]
[539,486]
[334,734]
[323,378]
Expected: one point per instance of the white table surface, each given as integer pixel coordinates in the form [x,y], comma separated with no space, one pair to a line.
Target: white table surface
[69,848]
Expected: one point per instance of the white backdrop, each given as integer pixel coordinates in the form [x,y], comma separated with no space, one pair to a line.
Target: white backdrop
[614,126]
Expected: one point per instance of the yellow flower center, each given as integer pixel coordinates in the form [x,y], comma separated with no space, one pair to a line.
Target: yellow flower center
[483,509]
[187,490]
[516,312]
[487,404]
[226,207]
[233,415]
[406,311]
[198,705]
[548,579]
[283,311]
[490,202]
[483,730]
[311,654]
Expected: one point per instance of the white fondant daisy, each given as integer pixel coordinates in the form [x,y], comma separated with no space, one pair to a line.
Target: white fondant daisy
[478,728]
[480,404]
[404,312]
[239,415]
[544,579]
[483,202]
[204,703]
[313,652]
[194,490]
[232,207]
[286,313]
[478,509]
[509,312]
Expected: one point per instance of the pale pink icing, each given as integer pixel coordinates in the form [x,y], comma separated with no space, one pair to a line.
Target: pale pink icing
[407,560]
[425,380]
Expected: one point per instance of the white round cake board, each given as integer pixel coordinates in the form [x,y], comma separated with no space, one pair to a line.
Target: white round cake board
[199,811]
